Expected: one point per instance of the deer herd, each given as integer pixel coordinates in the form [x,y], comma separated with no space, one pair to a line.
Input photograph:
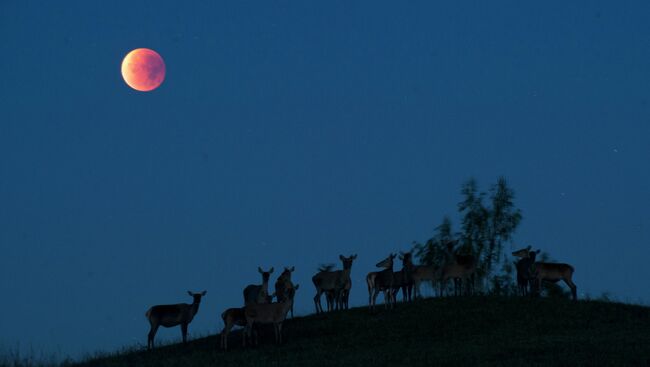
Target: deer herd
[259,307]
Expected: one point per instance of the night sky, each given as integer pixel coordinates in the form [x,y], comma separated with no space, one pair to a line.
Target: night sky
[287,133]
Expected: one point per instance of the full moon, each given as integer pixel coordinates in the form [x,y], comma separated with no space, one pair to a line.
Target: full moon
[143,69]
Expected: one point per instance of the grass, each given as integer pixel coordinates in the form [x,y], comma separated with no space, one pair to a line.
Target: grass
[464,331]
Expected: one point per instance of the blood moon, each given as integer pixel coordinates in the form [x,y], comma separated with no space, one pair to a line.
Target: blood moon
[143,69]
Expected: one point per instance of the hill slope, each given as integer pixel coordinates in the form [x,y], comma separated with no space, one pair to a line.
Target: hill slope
[476,331]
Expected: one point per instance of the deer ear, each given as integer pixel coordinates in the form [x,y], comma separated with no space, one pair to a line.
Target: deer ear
[260,270]
[295,288]
[190,293]
[341,257]
[203,293]
[292,269]
[271,270]
[538,251]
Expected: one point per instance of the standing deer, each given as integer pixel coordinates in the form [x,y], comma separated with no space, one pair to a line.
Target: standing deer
[403,279]
[283,284]
[334,281]
[523,267]
[258,293]
[423,273]
[269,313]
[552,272]
[461,270]
[343,303]
[171,315]
[382,281]
[231,317]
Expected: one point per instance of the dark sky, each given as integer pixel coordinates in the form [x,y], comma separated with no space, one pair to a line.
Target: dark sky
[287,133]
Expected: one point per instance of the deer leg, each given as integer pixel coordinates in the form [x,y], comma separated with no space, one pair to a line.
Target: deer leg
[574,289]
[386,298]
[319,308]
[374,298]
[184,332]
[152,334]
[280,332]
[416,289]
[275,331]
[243,336]
[224,338]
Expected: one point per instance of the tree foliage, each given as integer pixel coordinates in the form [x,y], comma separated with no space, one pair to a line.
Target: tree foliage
[488,221]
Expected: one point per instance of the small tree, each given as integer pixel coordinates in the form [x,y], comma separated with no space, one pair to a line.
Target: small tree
[503,221]
[474,224]
[484,231]
[434,250]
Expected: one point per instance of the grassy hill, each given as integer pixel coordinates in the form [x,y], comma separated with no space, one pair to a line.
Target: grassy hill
[473,331]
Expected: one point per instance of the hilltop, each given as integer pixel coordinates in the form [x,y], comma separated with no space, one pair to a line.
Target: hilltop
[473,331]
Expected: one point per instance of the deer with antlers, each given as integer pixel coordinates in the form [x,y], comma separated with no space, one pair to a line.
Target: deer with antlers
[255,293]
[172,315]
[382,281]
[327,280]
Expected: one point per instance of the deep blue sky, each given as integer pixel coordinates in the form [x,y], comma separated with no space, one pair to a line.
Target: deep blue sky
[287,133]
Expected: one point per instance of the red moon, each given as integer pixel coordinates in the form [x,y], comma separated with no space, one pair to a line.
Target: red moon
[143,69]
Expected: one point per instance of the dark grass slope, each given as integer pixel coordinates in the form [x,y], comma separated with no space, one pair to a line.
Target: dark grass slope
[474,331]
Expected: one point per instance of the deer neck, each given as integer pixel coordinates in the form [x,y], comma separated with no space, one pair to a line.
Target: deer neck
[345,274]
[194,308]
[265,285]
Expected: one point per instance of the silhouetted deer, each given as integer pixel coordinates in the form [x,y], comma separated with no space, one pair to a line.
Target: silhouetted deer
[523,267]
[424,273]
[403,279]
[283,284]
[269,313]
[258,293]
[552,272]
[382,281]
[334,281]
[172,315]
[461,270]
[231,317]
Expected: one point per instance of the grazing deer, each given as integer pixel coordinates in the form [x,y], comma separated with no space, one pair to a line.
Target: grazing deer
[269,313]
[231,317]
[403,279]
[283,284]
[552,272]
[258,293]
[171,315]
[334,281]
[461,270]
[382,281]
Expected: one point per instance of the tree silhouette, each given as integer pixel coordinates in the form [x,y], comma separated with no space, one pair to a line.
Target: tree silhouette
[484,230]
